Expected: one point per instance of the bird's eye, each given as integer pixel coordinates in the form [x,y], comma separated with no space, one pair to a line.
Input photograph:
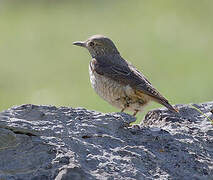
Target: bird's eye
[91,43]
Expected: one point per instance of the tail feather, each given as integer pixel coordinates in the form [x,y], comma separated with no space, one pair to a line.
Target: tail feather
[169,106]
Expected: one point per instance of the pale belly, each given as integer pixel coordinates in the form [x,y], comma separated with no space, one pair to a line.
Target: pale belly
[115,93]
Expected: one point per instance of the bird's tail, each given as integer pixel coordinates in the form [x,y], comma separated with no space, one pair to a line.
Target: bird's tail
[169,106]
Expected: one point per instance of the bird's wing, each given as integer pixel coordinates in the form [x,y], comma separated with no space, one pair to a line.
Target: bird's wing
[129,75]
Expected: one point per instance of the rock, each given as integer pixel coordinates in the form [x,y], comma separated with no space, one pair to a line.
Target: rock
[46,142]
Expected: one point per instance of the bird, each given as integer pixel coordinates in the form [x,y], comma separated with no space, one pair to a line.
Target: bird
[116,80]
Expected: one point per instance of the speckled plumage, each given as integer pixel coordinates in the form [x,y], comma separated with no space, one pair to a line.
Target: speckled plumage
[114,93]
[116,80]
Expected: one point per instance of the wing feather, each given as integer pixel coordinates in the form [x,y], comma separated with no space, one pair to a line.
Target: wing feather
[127,74]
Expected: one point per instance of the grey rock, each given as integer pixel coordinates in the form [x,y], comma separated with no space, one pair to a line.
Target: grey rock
[46,142]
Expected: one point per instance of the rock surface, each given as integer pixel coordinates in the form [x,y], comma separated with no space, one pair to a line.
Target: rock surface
[46,142]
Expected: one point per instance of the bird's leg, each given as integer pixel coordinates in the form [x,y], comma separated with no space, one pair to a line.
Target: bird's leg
[122,110]
[125,102]
[136,111]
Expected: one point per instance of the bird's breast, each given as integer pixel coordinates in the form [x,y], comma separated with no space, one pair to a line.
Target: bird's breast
[105,87]
[114,92]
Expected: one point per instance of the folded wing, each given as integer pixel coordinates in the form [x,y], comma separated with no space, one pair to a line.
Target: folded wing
[127,74]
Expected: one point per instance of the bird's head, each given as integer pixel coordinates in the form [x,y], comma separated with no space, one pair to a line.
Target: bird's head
[98,45]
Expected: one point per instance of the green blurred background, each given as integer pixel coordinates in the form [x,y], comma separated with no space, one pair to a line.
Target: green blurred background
[170,41]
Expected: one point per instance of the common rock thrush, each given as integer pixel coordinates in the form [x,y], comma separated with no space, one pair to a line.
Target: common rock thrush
[116,80]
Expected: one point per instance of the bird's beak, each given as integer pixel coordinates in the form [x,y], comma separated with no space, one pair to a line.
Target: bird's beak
[79,43]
